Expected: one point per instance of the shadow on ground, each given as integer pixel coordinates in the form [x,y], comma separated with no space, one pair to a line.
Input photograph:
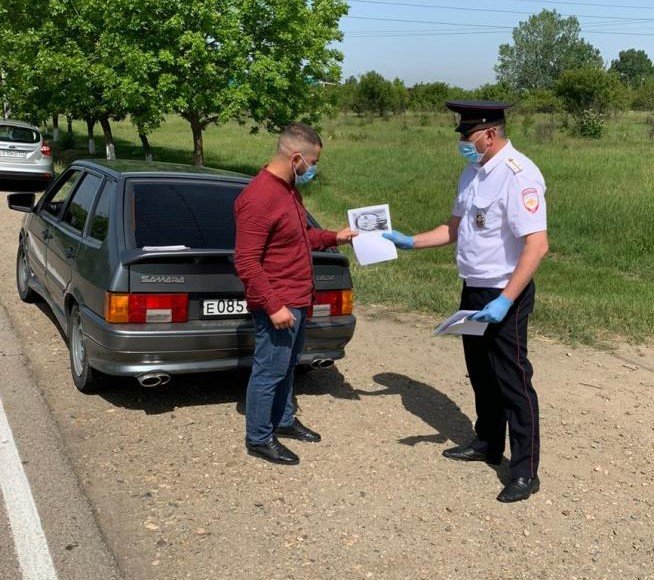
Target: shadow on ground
[436,409]
[213,389]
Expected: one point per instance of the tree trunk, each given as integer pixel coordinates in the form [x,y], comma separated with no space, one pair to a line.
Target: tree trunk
[108,138]
[55,128]
[198,146]
[69,121]
[90,124]
[147,150]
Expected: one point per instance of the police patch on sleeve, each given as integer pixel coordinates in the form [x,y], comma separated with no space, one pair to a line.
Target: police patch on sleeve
[530,199]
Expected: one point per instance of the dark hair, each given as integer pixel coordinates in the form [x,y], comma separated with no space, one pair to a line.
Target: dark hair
[301,132]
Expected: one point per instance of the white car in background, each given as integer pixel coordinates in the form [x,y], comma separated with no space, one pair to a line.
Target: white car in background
[24,155]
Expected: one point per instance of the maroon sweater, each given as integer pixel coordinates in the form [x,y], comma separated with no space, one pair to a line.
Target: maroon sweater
[274,243]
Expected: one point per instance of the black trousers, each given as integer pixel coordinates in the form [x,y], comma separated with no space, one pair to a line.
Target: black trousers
[500,373]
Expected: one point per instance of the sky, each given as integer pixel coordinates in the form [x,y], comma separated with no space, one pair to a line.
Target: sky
[457,42]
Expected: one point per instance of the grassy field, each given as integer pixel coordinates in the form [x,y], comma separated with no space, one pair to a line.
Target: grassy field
[596,286]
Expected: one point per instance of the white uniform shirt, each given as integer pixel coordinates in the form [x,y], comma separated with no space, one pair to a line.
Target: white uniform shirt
[498,203]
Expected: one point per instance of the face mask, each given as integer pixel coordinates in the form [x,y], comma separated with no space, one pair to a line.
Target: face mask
[469,152]
[308,175]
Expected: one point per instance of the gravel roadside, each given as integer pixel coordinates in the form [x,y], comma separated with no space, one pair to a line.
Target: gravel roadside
[177,496]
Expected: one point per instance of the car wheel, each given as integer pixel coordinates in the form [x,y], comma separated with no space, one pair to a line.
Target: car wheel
[86,379]
[23,275]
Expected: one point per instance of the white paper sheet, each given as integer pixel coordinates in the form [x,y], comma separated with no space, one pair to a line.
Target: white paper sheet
[371,222]
[458,323]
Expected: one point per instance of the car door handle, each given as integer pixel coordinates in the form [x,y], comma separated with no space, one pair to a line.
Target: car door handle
[69,253]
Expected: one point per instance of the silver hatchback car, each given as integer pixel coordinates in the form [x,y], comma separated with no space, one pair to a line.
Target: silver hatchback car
[24,155]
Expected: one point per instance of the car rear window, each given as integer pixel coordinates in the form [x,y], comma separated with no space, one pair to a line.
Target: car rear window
[184,213]
[15,134]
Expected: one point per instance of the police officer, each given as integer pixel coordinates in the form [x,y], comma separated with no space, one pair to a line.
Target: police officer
[499,225]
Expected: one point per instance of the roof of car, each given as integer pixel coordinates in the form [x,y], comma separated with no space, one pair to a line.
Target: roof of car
[133,167]
[18,123]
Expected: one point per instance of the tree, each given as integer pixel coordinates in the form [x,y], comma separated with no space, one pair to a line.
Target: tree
[591,89]
[400,96]
[643,98]
[541,101]
[265,59]
[501,91]
[208,60]
[633,67]
[544,47]
[374,94]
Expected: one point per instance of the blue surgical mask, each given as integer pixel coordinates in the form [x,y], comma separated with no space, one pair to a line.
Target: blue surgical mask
[308,175]
[469,152]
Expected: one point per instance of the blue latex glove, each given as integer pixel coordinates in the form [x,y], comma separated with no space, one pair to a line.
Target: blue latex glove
[494,311]
[399,239]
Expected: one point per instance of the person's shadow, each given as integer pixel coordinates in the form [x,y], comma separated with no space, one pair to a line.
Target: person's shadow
[436,409]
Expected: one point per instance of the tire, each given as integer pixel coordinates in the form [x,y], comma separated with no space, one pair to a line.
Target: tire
[23,275]
[86,378]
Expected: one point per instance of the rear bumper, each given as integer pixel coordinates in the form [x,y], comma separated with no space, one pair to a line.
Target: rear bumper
[200,346]
[28,174]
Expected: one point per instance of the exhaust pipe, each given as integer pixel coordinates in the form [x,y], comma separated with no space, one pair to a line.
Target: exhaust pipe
[322,363]
[153,379]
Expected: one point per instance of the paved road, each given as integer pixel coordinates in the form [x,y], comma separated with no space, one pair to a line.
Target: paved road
[73,546]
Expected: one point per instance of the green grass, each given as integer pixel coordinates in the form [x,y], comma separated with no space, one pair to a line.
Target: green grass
[597,285]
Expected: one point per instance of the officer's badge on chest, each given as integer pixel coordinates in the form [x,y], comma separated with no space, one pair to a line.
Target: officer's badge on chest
[480,219]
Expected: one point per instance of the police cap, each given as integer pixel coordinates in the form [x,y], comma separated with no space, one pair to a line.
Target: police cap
[476,115]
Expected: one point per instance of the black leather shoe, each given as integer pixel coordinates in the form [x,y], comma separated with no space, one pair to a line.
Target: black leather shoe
[298,431]
[474,451]
[519,488]
[273,451]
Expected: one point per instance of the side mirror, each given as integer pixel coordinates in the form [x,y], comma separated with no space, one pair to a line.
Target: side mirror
[21,201]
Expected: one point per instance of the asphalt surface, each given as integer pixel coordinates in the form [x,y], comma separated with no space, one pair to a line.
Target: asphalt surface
[76,543]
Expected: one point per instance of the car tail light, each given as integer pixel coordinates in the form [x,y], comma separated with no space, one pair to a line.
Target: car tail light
[140,308]
[332,303]
[46,150]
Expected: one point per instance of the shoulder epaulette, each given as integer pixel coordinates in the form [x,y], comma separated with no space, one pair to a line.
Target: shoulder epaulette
[514,165]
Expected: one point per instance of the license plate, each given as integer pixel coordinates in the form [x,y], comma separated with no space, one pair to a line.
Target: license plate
[224,307]
[10,153]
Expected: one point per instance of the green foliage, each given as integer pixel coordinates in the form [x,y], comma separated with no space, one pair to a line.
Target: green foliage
[431,97]
[543,48]
[590,124]
[633,67]
[643,96]
[500,91]
[591,89]
[541,101]
[209,60]
[374,94]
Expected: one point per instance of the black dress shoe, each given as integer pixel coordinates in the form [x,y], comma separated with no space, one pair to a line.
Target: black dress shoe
[519,488]
[474,451]
[298,431]
[273,451]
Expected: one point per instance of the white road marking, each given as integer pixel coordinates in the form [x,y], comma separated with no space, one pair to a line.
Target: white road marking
[31,546]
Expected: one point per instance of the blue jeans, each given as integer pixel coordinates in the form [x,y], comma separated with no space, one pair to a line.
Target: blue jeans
[269,399]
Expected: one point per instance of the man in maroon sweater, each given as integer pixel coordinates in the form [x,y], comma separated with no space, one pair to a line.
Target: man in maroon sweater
[273,260]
